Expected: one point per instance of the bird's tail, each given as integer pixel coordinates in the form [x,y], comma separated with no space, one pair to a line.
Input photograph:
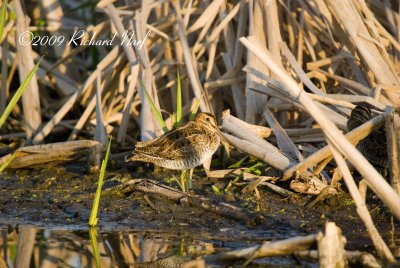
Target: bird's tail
[140,157]
[134,157]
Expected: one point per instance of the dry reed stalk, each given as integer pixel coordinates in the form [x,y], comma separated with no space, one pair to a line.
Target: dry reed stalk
[39,154]
[360,88]
[109,59]
[354,136]
[354,26]
[209,14]
[267,249]
[237,91]
[274,38]
[392,124]
[221,208]
[190,63]
[30,98]
[223,82]
[263,132]
[4,93]
[255,102]
[362,210]
[233,55]
[298,70]
[276,89]
[262,180]
[100,134]
[126,110]
[141,19]
[268,152]
[148,129]
[25,245]
[283,140]
[375,180]
[331,247]
[61,83]
[347,100]
[254,149]
[53,12]
[355,258]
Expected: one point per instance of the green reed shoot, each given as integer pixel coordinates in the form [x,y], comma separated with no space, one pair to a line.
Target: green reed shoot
[93,215]
[3,13]
[239,163]
[154,108]
[255,168]
[8,161]
[18,94]
[95,248]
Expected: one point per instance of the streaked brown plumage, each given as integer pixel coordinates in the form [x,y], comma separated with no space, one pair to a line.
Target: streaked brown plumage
[373,147]
[183,148]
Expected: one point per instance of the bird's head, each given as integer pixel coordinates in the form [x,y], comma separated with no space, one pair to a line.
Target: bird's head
[206,119]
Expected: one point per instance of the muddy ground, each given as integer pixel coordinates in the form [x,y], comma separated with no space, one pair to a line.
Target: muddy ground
[61,197]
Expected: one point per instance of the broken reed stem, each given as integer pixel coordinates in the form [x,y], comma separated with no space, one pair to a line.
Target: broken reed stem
[392,137]
[353,136]
[30,98]
[331,247]
[356,29]
[267,249]
[355,258]
[380,245]
[67,106]
[189,62]
[221,208]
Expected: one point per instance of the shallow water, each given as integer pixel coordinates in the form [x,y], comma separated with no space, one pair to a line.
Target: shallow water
[28,246]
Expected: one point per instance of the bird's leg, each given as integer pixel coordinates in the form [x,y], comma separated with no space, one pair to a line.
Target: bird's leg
[183,181]
[190,184]
[207,165]
[207,171]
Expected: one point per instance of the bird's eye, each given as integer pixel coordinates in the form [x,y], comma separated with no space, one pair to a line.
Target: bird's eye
[208,119]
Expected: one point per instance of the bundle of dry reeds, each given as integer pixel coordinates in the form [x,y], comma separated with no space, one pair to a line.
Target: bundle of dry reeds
[297,68]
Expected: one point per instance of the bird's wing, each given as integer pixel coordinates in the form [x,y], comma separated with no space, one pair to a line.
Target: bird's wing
[176,143]
[166,137]
[171,140]
[186,146]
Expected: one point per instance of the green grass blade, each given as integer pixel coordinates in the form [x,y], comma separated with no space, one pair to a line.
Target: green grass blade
[216,190]
[95,248]
[194,111]
[93,215]
[3,13]
[239,163]
[255,168]
[19,93]
[154,108]
[8,161]
[174,119]
[178,101]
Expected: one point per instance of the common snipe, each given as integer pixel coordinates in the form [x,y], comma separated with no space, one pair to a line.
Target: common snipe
[183,148]
[373,147]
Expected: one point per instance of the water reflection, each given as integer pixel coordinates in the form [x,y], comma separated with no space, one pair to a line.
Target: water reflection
[31,247]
